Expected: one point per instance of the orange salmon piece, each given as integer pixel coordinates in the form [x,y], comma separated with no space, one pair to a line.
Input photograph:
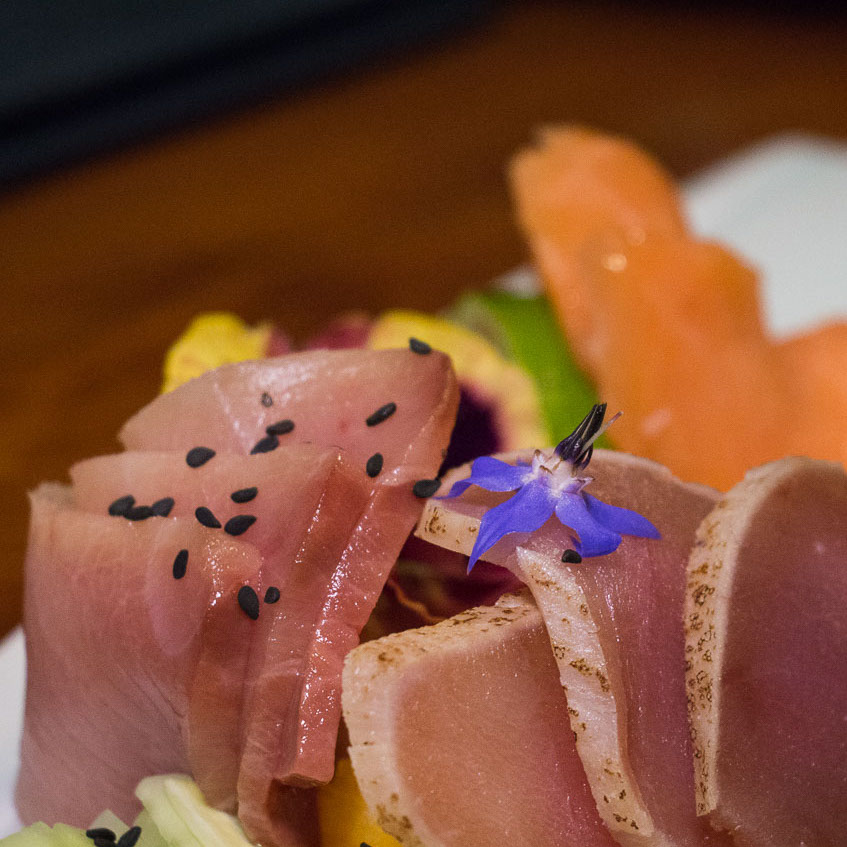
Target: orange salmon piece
[816,363]
[580,192]
[669,326]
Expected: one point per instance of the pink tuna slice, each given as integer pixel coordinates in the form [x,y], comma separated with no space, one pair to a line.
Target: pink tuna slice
[292,543]
[459,734]
[259,714]
[767,641]
[204,627]
[113,644]
[615,625]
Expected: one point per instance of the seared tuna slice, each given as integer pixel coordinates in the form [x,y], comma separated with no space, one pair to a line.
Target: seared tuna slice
[767,647]
[615,625]
[459,734]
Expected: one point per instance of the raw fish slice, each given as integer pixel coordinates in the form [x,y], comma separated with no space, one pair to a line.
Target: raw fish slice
[669,327]
[459,735]
[113,643]
[294,484]
[767,641]
[615,624]
[697,303]
[290,482]
[287,720]
[328,394]
[396,403]
[582,191]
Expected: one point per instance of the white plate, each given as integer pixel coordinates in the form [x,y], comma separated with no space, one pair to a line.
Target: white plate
[781,204]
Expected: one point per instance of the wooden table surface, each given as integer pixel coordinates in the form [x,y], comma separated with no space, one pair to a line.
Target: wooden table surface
[383,187]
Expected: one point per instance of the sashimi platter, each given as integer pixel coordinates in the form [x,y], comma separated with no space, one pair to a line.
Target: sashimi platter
[564,565]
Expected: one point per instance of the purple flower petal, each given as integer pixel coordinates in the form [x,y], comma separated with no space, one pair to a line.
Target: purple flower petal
[594,538]
[528,510]
[624,521]
[491,474]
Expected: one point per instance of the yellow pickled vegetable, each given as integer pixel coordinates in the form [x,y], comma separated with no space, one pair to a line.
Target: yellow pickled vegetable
[211,340]
[344,817]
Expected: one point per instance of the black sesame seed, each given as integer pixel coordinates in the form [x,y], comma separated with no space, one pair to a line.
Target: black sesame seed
[104,842]
[130,837]
[180,564]
[100,832]
[266,399]
[280,427]
[197,456]
[138,513]
[374,465]
[418,346]
[122,505]
[381,414]
[249,602]
[239,524]
[571,557]
[272,595]
[206,517]
[244,495]
[265,445]
[163,507]
[426,487]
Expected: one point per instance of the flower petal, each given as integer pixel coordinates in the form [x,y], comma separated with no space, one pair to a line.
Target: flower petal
[624,521]
[528,510]
[594,538]
[491,474]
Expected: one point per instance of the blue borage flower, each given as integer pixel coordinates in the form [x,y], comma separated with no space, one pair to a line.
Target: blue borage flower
[553,484]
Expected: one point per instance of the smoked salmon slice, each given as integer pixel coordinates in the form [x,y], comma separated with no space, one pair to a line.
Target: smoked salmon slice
[669,326]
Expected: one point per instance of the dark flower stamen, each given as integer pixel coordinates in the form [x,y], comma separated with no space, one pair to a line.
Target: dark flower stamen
[573,449]
[571,557]
[266,399]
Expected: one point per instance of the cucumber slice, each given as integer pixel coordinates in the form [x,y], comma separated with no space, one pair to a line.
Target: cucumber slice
[70,836]
[109,820]
[150,835]
[182,817]
[36,835]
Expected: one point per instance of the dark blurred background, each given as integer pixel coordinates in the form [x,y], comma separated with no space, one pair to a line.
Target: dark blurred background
[292,160]
[83,76]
